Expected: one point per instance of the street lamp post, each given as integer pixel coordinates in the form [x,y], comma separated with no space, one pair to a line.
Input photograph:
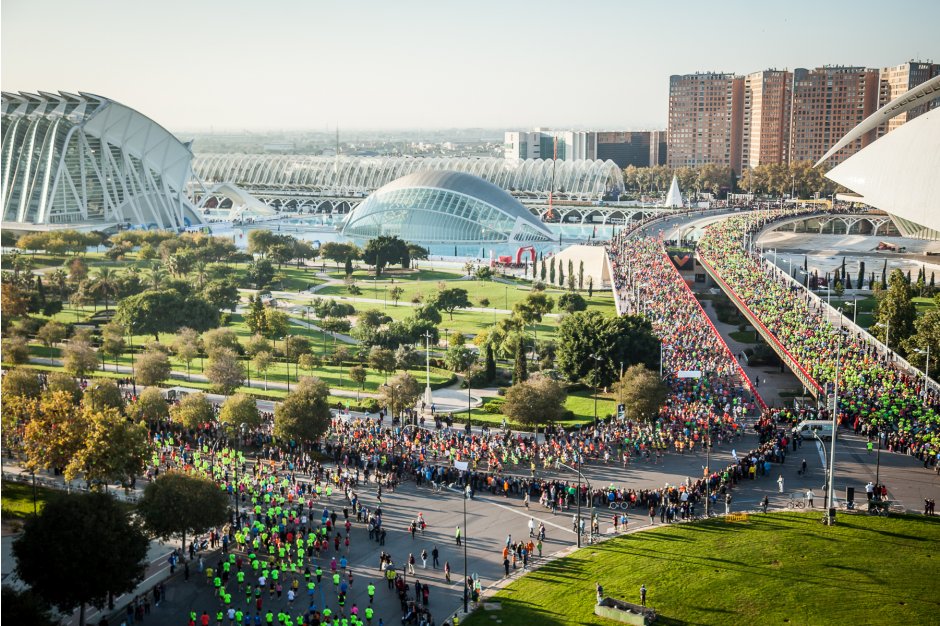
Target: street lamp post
[830,506]
[466,591]
[287,357]
[427,363]
[597,359]
[923,392]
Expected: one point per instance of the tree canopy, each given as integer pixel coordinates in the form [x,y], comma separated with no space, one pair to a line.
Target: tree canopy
[642,391]
[79,550]
[177,504]
[626,339]
[535,402]
[304,415]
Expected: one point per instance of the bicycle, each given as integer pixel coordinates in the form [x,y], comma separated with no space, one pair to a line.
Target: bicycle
[796,503]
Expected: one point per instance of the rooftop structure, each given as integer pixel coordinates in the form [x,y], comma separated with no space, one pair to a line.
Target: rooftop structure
[357,176]
[435,207]
[85,160]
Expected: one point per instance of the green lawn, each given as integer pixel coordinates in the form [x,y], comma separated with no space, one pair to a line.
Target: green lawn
[866,308]
[744,336]
[17,499]
[581,403]
[772,569]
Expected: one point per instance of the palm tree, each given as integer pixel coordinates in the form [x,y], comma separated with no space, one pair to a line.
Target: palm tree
[200,273]
[106,282]
[155,277]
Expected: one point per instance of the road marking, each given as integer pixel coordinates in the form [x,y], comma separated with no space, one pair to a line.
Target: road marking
[822,455]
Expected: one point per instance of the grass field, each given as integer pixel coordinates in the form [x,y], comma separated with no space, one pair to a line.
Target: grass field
[772,569]
[866,308]
[581,403]
[17,499]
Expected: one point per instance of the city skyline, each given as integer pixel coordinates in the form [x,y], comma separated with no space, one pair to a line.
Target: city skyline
[244,66]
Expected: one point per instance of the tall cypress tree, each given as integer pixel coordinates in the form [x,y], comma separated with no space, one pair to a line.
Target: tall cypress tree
[491,361]
[551,271]
[520,371]
[861,274]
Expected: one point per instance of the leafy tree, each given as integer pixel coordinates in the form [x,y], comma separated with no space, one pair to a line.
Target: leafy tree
[416,253]
[535,305]
[384,250]
[277,324]
[261,241]
[177,504]
[152,367]
[260,273]
[60,381]
[310,361]
[225,371]
[926,335]
[186,346]
[358,375]
[51,333]
[79,358]
[484,302]
[255,318]
[16,351]
[262,362]
[54,434]
[396,293]
[626,339]
[429,312]
[449,300]
[255,344]
[399,393]
[219,338]
[192,411]
[484,272]
[73,536]
[335,324]
[572,302]
[154,312]
[103,394]
[150,406]
[26,607]
[112,342]
[382,359]
[222,294]
[240,409]
[304,415]
[114,449]
[339,252]
[896,310]
[22,382]
[535,402]
[460,358]
[642,391]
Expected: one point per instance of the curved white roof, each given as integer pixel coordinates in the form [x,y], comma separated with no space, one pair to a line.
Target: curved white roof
[71,158]
[900,172]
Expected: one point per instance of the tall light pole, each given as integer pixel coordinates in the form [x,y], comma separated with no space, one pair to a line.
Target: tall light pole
[830,507]
[466,591]
[597,359]
[287,357]
[427,363]
[926,371]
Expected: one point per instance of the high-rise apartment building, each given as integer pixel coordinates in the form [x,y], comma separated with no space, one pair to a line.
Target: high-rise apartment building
[900,79]
[705,119]
[766,118]
[827,103]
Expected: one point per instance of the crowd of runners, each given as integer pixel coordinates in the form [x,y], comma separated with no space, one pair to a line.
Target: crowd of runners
[874,392]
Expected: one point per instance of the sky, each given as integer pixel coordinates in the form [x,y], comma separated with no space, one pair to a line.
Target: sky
[232,65]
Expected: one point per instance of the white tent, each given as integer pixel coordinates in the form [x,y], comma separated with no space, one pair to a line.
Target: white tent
[674,198]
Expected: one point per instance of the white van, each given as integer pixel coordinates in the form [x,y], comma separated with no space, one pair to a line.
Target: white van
[811,429]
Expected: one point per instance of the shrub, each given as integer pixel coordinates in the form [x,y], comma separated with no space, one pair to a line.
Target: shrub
[494,407]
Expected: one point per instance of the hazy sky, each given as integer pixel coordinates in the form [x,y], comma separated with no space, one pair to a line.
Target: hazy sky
[310,64]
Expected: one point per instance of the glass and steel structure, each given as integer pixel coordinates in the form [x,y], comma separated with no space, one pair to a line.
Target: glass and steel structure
[441,207]
[346,176]
[81,159]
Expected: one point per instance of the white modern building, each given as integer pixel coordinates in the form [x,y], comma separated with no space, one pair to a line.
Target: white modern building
[542,143]
[898,173]
[86,161]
